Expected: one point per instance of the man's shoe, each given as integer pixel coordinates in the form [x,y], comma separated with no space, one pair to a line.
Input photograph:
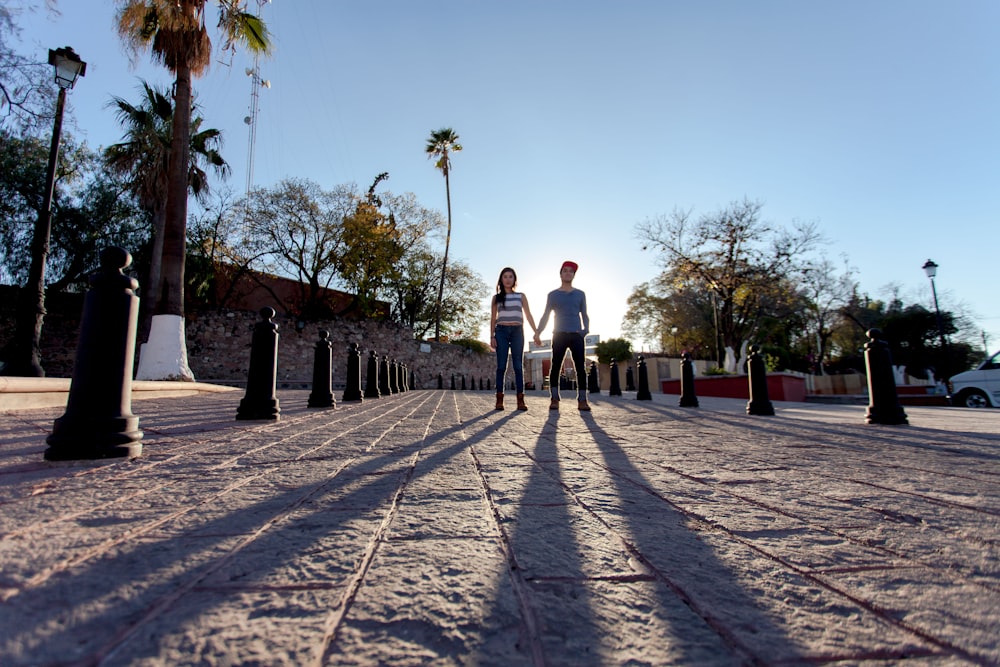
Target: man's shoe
[583,406]
[554,404]
[499,401]
[521,405]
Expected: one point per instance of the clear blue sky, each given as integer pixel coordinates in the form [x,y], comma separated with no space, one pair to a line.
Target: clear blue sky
[878,120]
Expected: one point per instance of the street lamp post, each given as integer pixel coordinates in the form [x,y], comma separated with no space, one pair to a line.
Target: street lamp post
[930,268]
[27,359]
[673,330]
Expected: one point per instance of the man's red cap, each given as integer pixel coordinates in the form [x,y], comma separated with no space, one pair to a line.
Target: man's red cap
[572,265]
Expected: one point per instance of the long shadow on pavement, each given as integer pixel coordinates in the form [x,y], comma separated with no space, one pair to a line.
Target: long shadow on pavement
[120,606]
[688,569]
[549,556]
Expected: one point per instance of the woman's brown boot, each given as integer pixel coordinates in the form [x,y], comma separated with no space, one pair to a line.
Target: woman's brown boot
[499,400]
[521,405]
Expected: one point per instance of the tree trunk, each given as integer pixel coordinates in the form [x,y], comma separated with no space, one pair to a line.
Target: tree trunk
[444,265]
[164,356]
[151,288]
[170,295]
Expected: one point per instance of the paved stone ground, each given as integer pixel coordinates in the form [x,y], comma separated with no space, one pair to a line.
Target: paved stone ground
[426,528]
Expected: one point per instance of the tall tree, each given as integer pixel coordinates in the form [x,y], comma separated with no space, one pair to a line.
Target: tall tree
[300,226]
[411,295]
[826,295]
[441,144]
[745,263]
[174,32]
[371,249]
[143,158]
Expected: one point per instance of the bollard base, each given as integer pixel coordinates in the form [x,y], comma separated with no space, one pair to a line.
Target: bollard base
[321,401]
[895,417]
[87,439]
[760,408]
[261,410]
[688,402]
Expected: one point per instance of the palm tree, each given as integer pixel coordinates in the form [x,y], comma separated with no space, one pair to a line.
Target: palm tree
[144,158]
[441,144]
[174,32]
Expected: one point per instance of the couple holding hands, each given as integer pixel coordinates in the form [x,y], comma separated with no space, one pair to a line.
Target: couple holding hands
[571,324]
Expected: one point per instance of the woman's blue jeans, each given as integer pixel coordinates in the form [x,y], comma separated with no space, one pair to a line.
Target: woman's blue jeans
[510,339]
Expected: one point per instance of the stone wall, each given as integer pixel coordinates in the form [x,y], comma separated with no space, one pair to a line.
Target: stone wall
[219,345]
[219,350]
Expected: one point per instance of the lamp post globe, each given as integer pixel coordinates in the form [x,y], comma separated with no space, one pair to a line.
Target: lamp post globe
[930,268]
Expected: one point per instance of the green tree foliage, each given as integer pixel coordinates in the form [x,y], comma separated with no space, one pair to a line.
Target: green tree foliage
[825,294]
[657,307]
[372,249]
[379,245]
[298,226]
[472,344]
[91,210]
[412,294]
[143,160]
[913,337]
[174,33]
[412,300]
[618,349]
[745,263]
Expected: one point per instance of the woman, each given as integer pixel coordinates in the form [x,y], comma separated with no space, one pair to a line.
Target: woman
[507,316]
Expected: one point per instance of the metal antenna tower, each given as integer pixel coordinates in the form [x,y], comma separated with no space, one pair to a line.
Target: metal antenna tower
[256,83]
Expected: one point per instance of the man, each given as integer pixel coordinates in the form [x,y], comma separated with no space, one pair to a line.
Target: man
[571,325]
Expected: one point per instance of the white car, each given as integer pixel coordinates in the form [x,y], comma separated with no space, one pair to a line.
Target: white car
[979,388]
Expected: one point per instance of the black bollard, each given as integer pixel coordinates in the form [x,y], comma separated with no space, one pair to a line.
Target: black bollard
[371,377]
[629,379]
[260,401]
[98,422]
[488,384]
[463,382]
[480,384]
[453,382]
[643,392]
[440,381]
[321,395]
[688,398]
[393,377]
[352,390]
[883,402]
[402,377]
[383,376]
[616,386]
[759,403]
[593,381]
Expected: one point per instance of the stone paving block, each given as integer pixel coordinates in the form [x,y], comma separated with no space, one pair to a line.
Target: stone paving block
[434,601]
[230,627]
[953,611]
[76,612]
[769,609]
[639,622]
[562,540]
[430,518]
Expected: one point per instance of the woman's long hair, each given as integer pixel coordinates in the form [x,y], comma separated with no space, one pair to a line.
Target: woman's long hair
[501,297]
